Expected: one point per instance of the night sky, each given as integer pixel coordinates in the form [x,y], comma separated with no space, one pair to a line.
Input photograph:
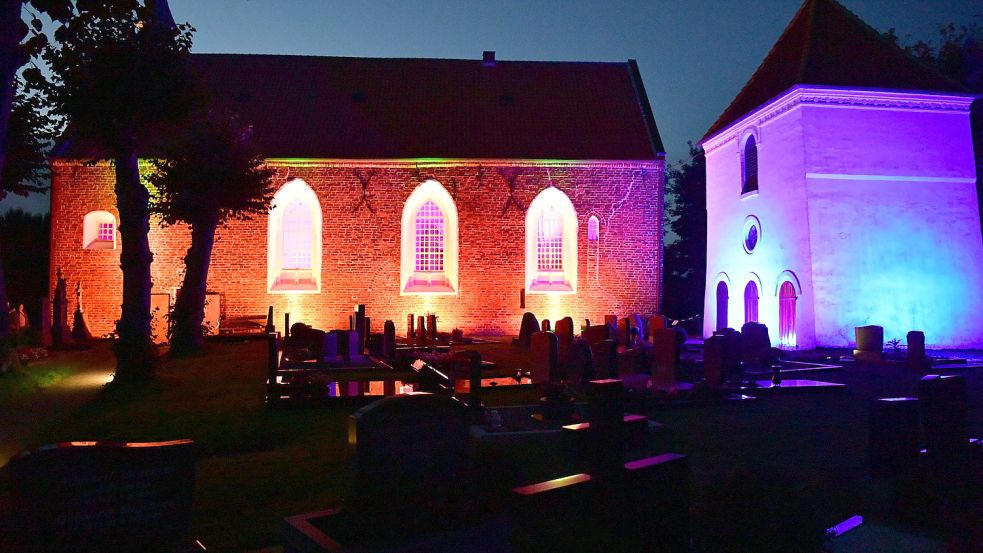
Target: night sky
[694,55]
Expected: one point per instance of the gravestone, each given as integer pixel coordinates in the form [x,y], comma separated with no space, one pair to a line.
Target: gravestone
[80,330]
[564,331]
[595,334]
[355,351]
[528,326]
[607,412]
[638,323]
[329,347]
[915,356]
[944,411]
[411,463]
[389,340]
[605,354]
[342,341]
[732,353]
[421,328]
[409,327]
[358,322]
[755,346]
[544,326]
[99,496]
[624,332]
[60,332]
[544,354]
[870,343]
[269,321]
[611,320]
[580,362]
[432,327]
[664,355]
[893,440]
[654,322]
[714,354]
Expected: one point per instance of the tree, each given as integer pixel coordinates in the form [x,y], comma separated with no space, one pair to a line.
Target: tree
[685,259]
[119,75]
[210,175]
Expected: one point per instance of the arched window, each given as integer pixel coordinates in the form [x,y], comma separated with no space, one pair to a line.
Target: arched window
[751,302]
[750,172]
[722,299]
[786,315]
[593,228]
[294,240]
[99,231]
[551,243]
[429,242]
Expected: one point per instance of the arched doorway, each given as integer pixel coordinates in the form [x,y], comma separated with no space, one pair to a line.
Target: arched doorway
[786,315]
[751,302]
[721,305]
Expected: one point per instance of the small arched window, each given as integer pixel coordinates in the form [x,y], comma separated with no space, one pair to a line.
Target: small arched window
[750,172]
[593,228]
[294,240]
[429,242]
[551,243]
[751,302]
[99,231]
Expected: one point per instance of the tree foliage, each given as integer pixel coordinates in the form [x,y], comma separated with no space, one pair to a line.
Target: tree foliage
[29,135]
[211,172]
[686,237]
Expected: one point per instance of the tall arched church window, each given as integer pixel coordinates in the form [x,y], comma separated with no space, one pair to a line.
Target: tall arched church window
[294,240]
[750,170]
[551,243]
[429,242]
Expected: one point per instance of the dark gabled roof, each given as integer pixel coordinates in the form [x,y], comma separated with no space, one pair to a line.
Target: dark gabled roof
[380,108]
[826,44]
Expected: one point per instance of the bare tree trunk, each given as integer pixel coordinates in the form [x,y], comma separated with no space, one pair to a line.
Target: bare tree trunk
[10,58]
[136,358]
[189,311]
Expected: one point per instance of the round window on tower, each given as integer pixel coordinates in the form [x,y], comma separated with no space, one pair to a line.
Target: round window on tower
[752,233]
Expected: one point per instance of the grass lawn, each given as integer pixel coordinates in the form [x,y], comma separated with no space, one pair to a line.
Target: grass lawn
[44,373]
[258,465]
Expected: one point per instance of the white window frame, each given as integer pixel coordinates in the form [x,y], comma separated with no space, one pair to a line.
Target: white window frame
[91,237]
[282,279]
[411,281]
[551,282]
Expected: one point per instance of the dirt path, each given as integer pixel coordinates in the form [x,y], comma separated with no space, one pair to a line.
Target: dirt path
[48,406]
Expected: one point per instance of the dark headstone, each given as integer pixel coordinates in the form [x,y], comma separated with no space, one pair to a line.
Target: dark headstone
[944,411]
[564,330]
[655,322]
[580,362]
[355,352]
[342,342]
[870,343]
[664,355]
[624,332]
[544,326]
[755,346]
[411,462]
[103,496]
[732,353]
[638,323]
[432,327]
[329,347]
[389,340]
[594,334]
[607,412]
[714,354]
[544,354]
[529,326]
[358,322]
[915,357]
[893,436]
[410,334]
[286,325]
[605,353]
[269,321]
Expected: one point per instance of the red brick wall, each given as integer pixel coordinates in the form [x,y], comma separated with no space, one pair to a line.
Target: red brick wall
[619,274]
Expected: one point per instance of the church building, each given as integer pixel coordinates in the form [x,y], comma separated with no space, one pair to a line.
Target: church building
[472,189]
[841,192]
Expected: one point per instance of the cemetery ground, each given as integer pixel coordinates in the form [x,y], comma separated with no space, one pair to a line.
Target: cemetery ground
[257,465]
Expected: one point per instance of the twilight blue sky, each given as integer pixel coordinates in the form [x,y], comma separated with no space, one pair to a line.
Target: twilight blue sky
[694,55]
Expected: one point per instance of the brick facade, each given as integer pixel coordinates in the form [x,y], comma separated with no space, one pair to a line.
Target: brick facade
[620,273]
